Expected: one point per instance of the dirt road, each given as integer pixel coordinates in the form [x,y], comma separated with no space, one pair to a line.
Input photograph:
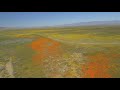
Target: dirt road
[9,68]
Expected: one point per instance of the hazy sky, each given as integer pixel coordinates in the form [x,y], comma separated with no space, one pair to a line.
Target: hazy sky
[31,19]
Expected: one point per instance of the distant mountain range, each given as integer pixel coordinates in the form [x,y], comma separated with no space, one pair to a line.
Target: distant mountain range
[115,22]
[2,27]
[92,23]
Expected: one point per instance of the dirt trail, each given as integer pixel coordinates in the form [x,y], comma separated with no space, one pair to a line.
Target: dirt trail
[9,68]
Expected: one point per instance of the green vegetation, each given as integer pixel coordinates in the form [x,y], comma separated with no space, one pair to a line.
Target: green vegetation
[88,41]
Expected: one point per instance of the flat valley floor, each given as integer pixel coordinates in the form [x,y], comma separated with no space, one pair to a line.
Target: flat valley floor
[71,52]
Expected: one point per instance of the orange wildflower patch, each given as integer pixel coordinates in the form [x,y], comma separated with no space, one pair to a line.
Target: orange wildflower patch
[45,47]
[115,55]
[98,67]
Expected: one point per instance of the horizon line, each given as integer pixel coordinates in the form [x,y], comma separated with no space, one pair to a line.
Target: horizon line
[53,25]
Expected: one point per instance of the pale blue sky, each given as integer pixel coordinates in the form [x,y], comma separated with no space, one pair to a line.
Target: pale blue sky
[33,19]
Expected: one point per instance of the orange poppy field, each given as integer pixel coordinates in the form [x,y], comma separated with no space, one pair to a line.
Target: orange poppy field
[72,52]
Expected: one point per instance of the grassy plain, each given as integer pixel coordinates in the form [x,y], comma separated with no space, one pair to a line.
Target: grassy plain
[91,51]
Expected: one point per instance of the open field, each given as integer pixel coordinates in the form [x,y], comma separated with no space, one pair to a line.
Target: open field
[81,52]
